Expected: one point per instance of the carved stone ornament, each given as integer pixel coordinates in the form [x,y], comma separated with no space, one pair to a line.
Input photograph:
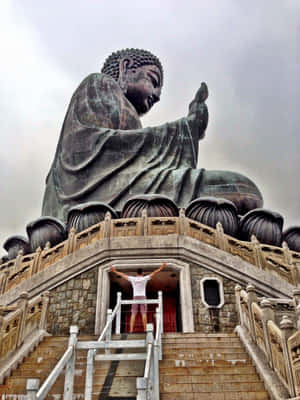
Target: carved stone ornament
[156,206]
[85,215]
[14,244]
[292,237]
[46,229]
[211,210]
[264,224]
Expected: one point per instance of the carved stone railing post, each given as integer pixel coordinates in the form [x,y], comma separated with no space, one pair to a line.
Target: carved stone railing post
[2,314]
[257,252]
[3,281]
[221,239]
[237,290]
[297,312]
[107,225]
[296,297]
[23,306]
[251,298]
[289,260]
[182,222]
[71,240]
[287,254]
[295,274]
[32,387]
[267,315]
[19,257]
[287,328]
[145,222]
[36,261]
[43,320]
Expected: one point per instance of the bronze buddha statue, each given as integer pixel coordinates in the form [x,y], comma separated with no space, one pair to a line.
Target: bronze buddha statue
[104,154]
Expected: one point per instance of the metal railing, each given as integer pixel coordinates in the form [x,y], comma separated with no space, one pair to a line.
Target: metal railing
[147,386]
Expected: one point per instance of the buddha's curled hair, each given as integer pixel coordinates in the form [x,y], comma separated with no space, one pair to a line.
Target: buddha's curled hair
[140,57]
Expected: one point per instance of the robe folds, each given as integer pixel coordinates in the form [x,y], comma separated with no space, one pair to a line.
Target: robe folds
[105,155]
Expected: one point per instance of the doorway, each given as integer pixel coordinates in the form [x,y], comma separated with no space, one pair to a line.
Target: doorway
[167,281]
[177,289]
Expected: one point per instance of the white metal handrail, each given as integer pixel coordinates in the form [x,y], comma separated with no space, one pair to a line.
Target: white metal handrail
[68,361]
[149,386]
[105,342]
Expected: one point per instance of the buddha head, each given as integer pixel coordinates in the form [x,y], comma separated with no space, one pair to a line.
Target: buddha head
[139,74]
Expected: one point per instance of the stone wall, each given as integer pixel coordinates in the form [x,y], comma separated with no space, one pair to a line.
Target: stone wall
[224,319]
[74,303]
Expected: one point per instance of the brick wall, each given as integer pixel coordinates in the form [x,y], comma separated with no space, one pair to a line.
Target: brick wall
[74,303]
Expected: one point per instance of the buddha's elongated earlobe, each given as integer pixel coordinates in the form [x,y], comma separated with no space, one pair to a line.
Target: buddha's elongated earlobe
[124,66]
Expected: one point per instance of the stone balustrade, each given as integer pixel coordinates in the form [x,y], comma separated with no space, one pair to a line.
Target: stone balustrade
[20,321]
[277,335]
[277,260]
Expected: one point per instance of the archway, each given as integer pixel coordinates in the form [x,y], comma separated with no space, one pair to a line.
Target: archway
[175,280]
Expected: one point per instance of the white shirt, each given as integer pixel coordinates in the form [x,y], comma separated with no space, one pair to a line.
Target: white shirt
[139,284]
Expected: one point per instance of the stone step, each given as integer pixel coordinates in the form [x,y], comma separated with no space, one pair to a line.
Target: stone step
[216,396]
[222,387]
[205,356]
[169,349]
[194,343]
[206,370]
[194,366]
[199,334]
[205,363]
[206,378]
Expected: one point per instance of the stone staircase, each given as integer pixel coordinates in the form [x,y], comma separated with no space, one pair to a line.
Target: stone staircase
[207,367]
[112,380]
[194,366]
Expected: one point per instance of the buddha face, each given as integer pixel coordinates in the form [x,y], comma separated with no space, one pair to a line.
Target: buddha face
[143,87]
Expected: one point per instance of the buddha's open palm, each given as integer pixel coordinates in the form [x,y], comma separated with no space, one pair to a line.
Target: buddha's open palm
[198,113]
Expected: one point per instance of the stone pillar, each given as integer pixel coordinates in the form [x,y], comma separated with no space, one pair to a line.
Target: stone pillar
[71,240]
[267,315]
[237,290]
[297,311]
[43,320]
[222,242]
[23,305]
[257,252]
[36,261]
[182,222]
[251,298]
[144,222]
[2,314]
[296,297]
[3,281]
[287,329]
[107,225]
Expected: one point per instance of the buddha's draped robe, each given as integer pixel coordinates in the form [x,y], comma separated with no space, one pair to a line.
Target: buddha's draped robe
[105,155]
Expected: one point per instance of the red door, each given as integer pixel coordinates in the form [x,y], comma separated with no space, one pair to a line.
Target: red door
[169,312]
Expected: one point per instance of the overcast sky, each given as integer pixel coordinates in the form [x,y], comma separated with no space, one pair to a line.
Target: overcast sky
[246,51]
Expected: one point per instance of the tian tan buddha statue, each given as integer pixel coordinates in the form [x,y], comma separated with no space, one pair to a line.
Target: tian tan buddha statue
[104,154]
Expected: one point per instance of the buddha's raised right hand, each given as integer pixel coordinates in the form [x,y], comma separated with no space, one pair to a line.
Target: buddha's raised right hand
[198,113]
